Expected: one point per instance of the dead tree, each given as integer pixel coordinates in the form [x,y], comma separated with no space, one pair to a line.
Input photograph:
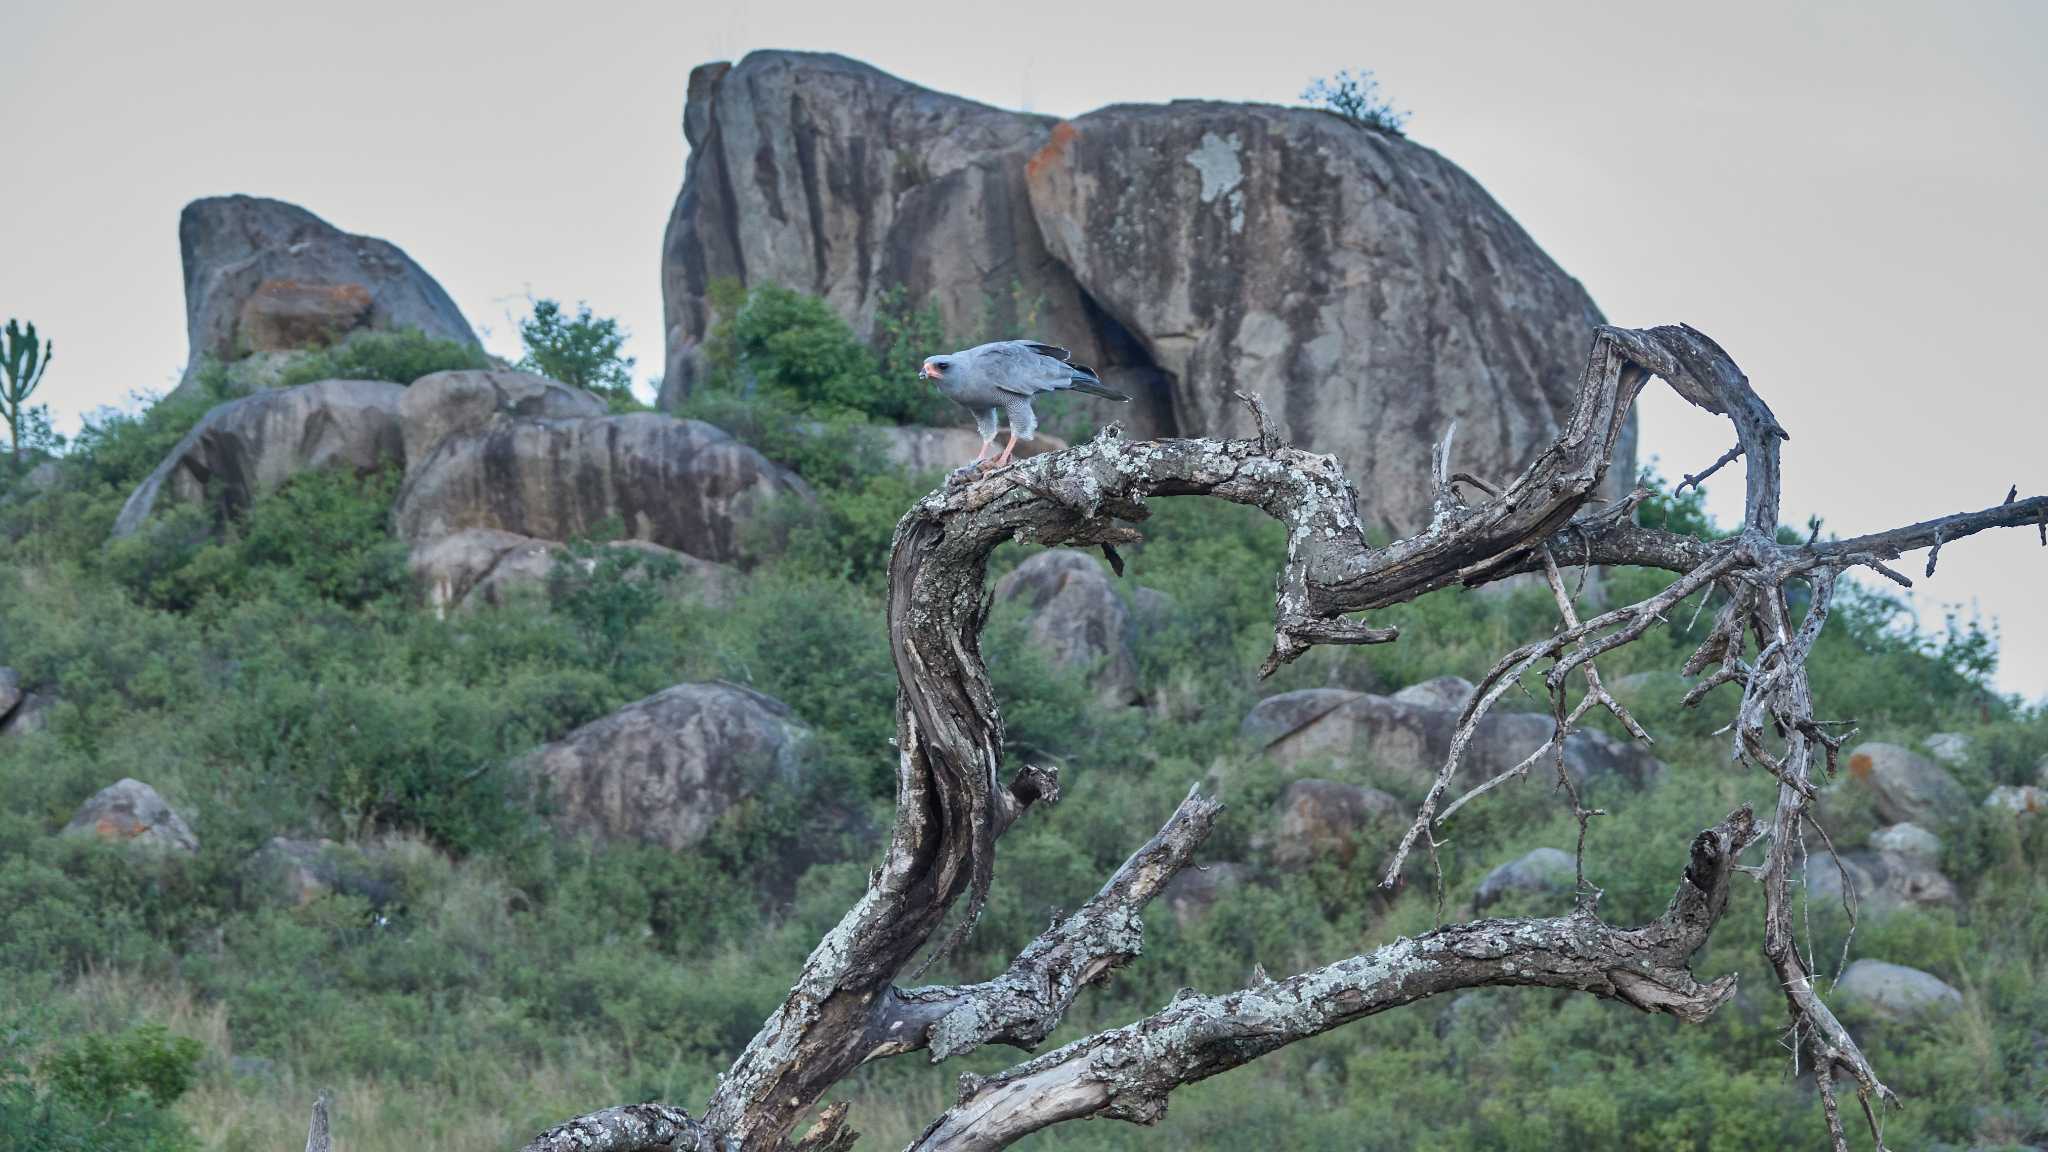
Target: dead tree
[953,804]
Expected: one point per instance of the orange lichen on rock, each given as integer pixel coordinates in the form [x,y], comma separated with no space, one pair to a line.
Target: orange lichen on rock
[1063,134]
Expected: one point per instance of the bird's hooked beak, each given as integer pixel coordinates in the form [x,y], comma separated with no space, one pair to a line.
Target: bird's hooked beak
[931,369]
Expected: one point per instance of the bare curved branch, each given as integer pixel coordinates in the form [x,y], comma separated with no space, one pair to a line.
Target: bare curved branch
[1128,1073]
[846,1007]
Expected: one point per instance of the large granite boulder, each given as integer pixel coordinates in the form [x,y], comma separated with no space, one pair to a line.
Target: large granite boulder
[265,276]
[443,403]
[1077,619]
[826,175]
[131,812]
[664,769]
[247,447]
[483,566]
[1367,287]
[1407,742]
[682,484]
[1900,785]
[1323,820]
[1894,991]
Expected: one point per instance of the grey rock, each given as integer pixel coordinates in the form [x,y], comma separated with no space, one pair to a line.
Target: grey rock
[11,692]
[266,276]
[247,447]
[1903,786]
[1295,254]
[1884,881]
[1076,618]
[129,811]
[1910,840]
[1951,748]
[438,405]
[1408,742]
[30,714]
[1450,693]
[1195,890]
[295,872]
[1367,287]
[826,175]
[483,566]
[919,449]
[1894,991]
[664,769]
[2024,799]
[1323,819]
[1541,870]
[682,484]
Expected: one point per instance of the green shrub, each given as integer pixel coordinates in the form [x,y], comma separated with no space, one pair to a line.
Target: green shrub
[775,342]
[583,351]
[96,1092]
[399,357]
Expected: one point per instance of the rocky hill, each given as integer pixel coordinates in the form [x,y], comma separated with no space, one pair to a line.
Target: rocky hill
[1367,287]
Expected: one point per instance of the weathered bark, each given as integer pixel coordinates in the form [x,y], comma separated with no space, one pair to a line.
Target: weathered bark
[846,1008]
[1128,1073]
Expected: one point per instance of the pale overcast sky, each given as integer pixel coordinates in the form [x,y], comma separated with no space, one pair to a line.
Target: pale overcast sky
[1847,196]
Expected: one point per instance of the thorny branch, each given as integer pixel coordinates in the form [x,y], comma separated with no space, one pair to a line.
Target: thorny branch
[846,1007]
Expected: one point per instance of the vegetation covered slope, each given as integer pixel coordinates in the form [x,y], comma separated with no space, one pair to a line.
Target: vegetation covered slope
[488,977]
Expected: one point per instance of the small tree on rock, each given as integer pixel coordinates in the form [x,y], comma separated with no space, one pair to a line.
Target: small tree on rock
[581,350]
[1356,96]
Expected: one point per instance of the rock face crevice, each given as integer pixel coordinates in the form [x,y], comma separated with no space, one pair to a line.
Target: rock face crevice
[1368,288]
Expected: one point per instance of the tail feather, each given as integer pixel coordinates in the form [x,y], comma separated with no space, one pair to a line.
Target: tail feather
[1085,380]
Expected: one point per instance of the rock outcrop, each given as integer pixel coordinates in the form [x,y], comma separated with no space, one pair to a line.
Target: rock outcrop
[2024,799]
[834,178]
[1406,743]
[247,447]
[1367,287]
[483,566]
[267,276]
[131,812]
[1901,785]
[1884,881]
[442,404]
[1450,693]
[1323,820]
[1543,870]
[1077,619]
[295,872]
[1910,840]
[1894,991]
[664,769]
[682,484]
